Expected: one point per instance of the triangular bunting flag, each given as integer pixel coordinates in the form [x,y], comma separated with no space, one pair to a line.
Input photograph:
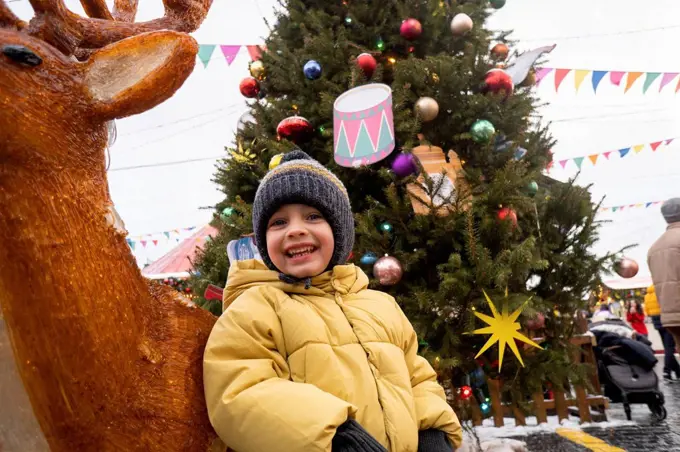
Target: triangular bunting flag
[606,154]
[655,145]
[205,52]
[638,147]
[622,207]
[649,79]
[666,79]
[230,53]
[593,158]
[623,152]
[648,204]
[143,242]
[155,242]
[597,78]
[615,77]
[131,243]
[614,209]
[632,77]
[579,76]
[604,209]
[563,163]
[541,72]
[668,141]
[167,235]
[559,77]
[255,52]
[578,161]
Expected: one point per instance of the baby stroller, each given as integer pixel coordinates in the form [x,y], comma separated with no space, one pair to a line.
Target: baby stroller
[626,370]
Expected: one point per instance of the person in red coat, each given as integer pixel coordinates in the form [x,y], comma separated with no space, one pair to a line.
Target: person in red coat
[636,318]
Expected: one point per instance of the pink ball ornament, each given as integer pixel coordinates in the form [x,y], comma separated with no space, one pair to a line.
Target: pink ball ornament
[388,270]
[411,29]
[404,165]
[626,268]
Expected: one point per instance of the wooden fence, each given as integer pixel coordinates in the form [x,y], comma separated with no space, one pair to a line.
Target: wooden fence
[578,398]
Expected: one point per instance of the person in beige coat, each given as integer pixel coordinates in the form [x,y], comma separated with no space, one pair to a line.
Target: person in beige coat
[664,264]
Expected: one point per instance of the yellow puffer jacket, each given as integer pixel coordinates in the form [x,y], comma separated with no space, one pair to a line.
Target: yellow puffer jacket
[285,366]
[651,303]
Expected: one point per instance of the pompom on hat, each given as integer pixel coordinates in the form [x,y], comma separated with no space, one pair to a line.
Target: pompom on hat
[299,179]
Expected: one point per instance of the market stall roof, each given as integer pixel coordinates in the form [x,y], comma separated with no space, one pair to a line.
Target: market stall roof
[178,261]
[630,283]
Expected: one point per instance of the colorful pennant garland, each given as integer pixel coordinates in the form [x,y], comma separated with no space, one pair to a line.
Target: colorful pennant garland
[593,158]
[645,205]
[154,237]
[615,78]
[228,52]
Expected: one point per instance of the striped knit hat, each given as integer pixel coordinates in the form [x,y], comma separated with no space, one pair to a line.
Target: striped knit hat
[299,179]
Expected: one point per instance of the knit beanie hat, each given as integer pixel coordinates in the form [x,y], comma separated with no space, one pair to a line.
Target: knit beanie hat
[671,210]
[299,179]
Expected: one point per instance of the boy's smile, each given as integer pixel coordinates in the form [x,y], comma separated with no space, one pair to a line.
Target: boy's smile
[299,241]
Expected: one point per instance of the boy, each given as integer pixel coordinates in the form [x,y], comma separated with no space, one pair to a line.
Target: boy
[305,358]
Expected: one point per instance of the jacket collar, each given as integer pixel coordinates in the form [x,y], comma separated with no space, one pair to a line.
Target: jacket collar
[343,279]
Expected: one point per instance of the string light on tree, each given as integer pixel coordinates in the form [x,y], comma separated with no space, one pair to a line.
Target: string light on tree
[386,227]
[465,392]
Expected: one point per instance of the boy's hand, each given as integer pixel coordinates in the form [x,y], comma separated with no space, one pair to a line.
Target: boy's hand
[433,441]
[351,437]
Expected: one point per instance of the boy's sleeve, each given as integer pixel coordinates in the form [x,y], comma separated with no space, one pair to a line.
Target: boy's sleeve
[251,402]
[432,409]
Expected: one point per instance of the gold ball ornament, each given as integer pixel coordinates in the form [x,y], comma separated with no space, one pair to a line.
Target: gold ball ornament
[388,270]
[257,69]
[427,109]
[500,51]
[275,161]
[461,24]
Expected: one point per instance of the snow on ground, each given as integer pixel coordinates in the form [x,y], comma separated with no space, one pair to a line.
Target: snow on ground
[498,439]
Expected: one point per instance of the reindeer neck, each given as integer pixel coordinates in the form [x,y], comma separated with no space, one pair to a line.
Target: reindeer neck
[65,258]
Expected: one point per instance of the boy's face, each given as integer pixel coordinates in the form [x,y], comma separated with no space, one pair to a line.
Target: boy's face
[299,241]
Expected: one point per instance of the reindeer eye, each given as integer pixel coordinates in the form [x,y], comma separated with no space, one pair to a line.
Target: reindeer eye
[21,55]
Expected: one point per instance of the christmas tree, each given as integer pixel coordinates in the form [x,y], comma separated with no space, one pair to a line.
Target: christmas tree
[461,206]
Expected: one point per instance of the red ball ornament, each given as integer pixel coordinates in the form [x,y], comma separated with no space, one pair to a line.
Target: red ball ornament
[188,290]
[627,268]
[249,87]
[500,51]
[411,29]
[507,213]
[295,128]
[498,81]
[367,64]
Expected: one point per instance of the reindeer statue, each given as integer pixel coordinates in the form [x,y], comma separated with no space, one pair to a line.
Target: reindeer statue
[109,360]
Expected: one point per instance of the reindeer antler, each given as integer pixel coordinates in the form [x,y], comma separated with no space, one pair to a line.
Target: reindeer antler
[8,18]
[67,31]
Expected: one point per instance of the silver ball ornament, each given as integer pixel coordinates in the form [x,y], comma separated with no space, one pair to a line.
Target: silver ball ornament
[427,109]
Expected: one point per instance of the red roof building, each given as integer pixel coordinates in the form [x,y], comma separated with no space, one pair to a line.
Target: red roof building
[178,262]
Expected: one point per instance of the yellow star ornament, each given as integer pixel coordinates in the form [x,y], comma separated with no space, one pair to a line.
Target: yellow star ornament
[503,329]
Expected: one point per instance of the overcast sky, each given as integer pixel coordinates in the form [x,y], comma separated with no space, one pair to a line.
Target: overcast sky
[603,35]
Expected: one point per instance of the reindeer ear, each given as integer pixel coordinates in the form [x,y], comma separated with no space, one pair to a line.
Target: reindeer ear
[138,73]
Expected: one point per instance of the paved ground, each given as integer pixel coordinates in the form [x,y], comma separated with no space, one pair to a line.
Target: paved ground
[647,435]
